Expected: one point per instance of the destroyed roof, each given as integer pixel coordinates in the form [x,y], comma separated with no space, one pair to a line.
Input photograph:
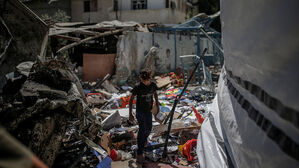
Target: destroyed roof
[201,19]
[114,23]
[67,27]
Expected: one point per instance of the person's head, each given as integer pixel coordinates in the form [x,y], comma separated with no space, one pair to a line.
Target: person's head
[145,77]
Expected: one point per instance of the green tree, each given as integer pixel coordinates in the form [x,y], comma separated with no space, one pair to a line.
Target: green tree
[59,16]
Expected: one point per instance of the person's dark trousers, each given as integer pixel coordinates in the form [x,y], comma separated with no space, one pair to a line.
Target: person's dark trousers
[145,127]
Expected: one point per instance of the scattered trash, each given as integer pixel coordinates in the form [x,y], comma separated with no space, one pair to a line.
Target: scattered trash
[162,82]
[120,155]
[85,124]
[126,88]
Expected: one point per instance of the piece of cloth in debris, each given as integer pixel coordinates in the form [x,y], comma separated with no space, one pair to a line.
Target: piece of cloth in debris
[144,96]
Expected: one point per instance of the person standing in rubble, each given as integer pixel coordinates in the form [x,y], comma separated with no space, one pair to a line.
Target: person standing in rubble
[144,91]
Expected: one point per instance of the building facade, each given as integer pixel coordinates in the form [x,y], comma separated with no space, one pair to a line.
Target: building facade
[143,11]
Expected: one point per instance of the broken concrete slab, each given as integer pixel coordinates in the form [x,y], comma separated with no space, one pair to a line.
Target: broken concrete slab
[123,112]
[111,121]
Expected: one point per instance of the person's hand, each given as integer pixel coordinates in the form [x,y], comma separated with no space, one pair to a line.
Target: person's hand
[37,163]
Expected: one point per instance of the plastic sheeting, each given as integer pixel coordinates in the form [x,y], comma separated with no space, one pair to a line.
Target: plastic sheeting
[250,145]
[257,98]
[210,144]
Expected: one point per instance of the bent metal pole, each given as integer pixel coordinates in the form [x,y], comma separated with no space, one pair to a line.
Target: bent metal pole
[170,117]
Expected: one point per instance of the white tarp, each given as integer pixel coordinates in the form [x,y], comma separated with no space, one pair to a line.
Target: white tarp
[258,88]
[210,144]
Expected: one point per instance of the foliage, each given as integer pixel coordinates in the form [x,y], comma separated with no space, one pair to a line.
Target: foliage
[59,16]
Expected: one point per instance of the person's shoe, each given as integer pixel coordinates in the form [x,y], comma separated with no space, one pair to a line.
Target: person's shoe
[139,159]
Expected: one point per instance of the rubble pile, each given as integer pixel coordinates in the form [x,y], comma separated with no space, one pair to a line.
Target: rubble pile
[70,123]
[40,103]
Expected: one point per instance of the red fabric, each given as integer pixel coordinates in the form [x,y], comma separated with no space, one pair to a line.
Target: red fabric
[125,101]
[188,147]
[113,155]
[199,117]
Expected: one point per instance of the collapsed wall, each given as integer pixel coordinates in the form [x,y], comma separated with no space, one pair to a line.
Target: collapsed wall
[132,48]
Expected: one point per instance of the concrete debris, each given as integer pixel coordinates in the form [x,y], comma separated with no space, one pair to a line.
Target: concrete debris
[74,126]
[49,96]
[95,99]
[111,121]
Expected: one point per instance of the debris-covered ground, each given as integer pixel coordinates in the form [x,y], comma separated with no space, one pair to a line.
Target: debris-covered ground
[46,108]
[66,122]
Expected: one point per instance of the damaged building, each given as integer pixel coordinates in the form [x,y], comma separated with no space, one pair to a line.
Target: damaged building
[67,87]
[63,83]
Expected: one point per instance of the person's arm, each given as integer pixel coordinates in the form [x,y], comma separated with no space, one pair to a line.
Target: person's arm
[131,118]
[16,154]
[157,102]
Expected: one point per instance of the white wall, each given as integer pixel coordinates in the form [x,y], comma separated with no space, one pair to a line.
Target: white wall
[133,46]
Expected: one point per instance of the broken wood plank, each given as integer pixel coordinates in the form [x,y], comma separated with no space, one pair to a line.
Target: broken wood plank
[88,39]
[177,126]
[67,37]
